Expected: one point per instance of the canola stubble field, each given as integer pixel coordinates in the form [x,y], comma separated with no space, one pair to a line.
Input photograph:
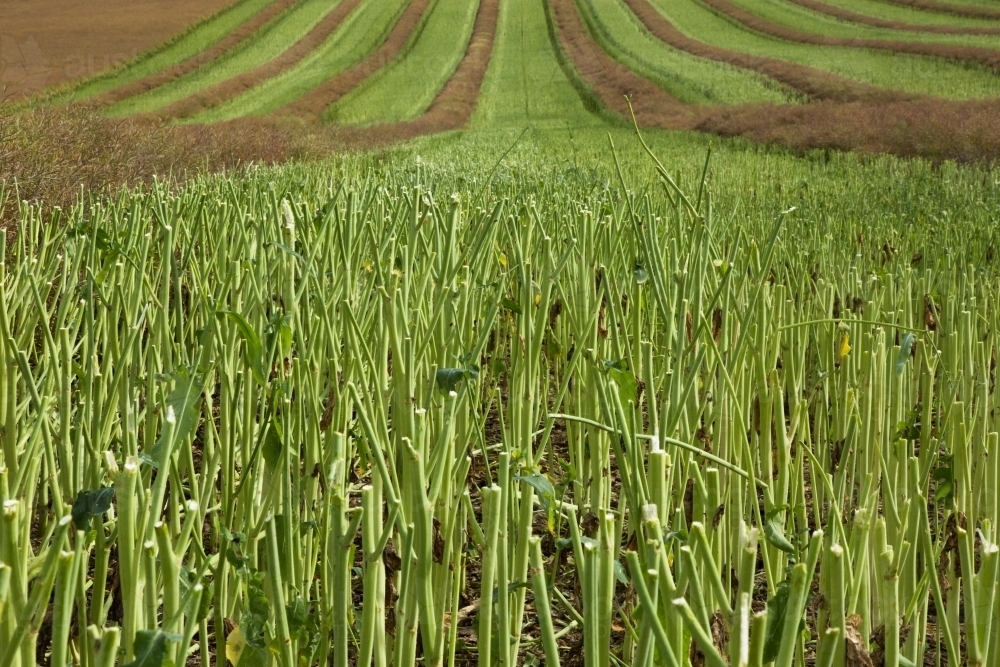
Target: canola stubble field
[543,390]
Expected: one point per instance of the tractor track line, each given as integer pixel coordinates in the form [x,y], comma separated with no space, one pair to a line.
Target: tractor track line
[948,8]
[224,91]
[243,33]
[814,83]
[315,102]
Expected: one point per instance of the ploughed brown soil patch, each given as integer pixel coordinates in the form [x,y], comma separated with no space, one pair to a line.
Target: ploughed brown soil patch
[313,103]
[973,54]
[948,8]
[47,42]
[615,81]
[230,88]
[227,43]
[809,81]
[854,17]
[455,102]
[915,126]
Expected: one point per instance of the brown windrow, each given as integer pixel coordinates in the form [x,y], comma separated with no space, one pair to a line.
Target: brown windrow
[949,8]
[864,19]
[223,91]
[972,54]
[315,102]
[809,81]
[455,103]
[236,38]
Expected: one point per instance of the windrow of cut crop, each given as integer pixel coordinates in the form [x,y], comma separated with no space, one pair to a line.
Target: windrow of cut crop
[875,22]
[455,103]
[312,104]
[971,54]
[238,37]
[935,129]
[613,83]
[810,81]
[221,92]
[950,8]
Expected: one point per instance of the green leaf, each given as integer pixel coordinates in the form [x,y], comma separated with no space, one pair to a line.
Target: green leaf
[180,416]
[944,476]
[510,305]
[448,379]
[89,504]
[297,612]
[774,530]
[905,346]
[546,495]
[255,656]
[255,614]
[776,608]
[620,574]
[253,352]
[628,387]
[273,445]
[151,647]
[640,273]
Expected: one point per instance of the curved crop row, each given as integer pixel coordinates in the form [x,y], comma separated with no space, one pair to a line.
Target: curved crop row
[864,19]
[221,92]
[363,31]
[950,8]
[689,78]
[807,20]
[971,54]
[810,81]
[190,44]
[906,73]
[267,44]
[405,88]
[314,103]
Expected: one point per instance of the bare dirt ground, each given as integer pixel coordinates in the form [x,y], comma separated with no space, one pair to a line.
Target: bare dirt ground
[864,19]
[48,42]
[230,88]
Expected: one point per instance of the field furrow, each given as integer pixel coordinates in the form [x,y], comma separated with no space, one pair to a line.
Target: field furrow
[911,15]
[267,44]
[688,77]
[989,58]
[406,87]
[221,92]
[890,70]
[813,82]
[199,45]
[864,19]
[314,103]
[359,35]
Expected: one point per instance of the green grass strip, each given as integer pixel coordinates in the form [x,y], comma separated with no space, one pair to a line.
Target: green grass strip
[405,88]
[688,78]
[912,74]
[525,84]
[270,42]
[188,44]
[360,34]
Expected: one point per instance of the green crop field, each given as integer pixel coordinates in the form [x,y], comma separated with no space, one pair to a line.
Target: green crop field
[549,386]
